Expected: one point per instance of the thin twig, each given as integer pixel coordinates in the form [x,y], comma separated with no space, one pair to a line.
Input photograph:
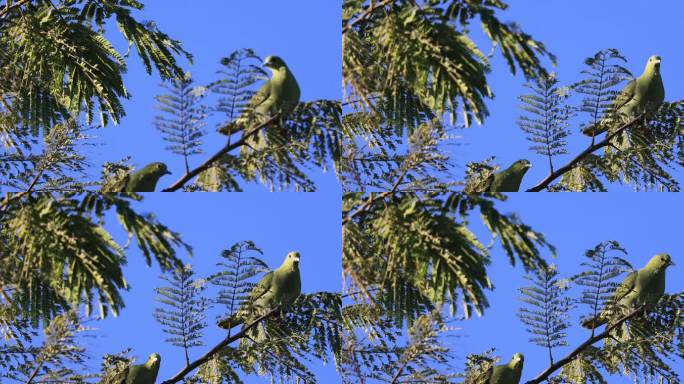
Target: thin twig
[34,373]
[9,7]
[591,340]
[10,198]
[349,294]
[5,296]
[400,371]
[589,150]
[218,347]
[227,148]
[373,198]
[366,14]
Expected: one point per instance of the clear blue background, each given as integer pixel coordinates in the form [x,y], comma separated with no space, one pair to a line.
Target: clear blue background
[573,31]
[642,223]
[277,223]
[305,33]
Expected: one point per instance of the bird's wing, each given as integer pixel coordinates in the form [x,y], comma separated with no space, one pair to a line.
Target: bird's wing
[260,95]
[133,373]
[133,181]
[262,287]
[626,95]
[626,286]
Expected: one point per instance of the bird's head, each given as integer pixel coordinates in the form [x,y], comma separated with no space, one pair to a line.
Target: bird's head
[661,261]
[517,359]
[153,361]
[274,62]
[292,260]
[157,169]
[522,164]
[653,63]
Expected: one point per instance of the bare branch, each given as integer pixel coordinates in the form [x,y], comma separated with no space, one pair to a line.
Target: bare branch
[593,339]
[218,347]
[589,150]
[366,14]
[372,199]
[9,7]
[227,148]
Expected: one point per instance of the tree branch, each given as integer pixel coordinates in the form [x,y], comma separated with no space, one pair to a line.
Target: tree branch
[366,14]
[591,340]
[218,347]
[589,150]
[227,148]
[9,7]
[5,296]
[34,373]
[365,206]
[10,198]
[400,371]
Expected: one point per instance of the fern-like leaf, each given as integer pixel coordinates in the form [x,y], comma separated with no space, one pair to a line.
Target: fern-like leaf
[547,126]
[182,312]
[547,311]
[182,120]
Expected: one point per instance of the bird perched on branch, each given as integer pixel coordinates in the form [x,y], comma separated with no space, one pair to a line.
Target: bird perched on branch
[280,94]
[277,288]
[142,180]
[643,94]
[509,373]
[140,374]
[641,287]
[507,180]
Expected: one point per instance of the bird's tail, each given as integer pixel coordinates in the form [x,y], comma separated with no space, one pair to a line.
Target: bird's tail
[593,322]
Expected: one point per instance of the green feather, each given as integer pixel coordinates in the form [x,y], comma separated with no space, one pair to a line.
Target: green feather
[642,287]
[643,94]
[145,179]
[508,180]
[279,94]
[279,287]
[509,373]
[143,373]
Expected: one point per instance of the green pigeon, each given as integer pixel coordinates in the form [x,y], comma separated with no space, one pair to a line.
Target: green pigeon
[641,287]
[140,374]
[643,94]
[279,94]
[507,180]
[145,179]
[509,373]
[279,287]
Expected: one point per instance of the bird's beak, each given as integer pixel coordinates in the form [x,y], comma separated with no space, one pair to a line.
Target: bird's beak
[671,263]
[167,172]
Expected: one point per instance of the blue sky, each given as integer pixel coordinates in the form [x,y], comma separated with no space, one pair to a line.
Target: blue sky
[277,223]
[641,223]
[573,31]
[306,34]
